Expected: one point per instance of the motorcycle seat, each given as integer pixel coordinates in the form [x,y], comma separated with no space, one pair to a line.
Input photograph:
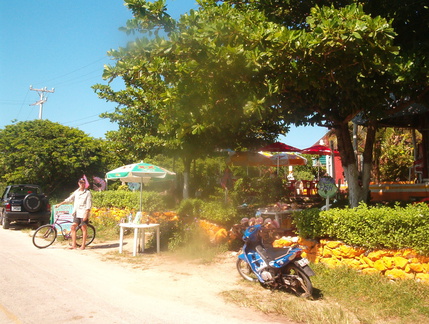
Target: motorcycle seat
[271,254]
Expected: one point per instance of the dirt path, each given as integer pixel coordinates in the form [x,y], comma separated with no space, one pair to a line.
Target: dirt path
[192,282]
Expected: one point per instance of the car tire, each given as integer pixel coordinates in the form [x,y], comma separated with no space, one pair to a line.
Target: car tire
[32,203]
[5,222]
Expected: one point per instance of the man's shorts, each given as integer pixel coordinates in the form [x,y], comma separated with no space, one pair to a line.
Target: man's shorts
[80,221]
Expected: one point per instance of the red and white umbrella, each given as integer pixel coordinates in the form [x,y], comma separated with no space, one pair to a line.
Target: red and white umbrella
[319,150]
[279,147]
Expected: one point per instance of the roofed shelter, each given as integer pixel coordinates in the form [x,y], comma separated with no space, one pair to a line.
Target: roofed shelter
[415,116]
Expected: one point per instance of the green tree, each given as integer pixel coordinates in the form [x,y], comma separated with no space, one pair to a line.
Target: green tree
[48,154]
[408,80]
[255,67]
[349,65]
[193,90]
[396,154]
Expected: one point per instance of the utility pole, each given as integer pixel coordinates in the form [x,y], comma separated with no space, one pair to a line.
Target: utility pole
[42,98]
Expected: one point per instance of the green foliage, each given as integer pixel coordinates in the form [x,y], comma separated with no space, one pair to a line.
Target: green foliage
[106,226]
[259,191]
[48,154]
[370,227]
[190,208]
[396,155]
[216,211]
[308,223]
[151,201]
[189,79]
[192,242]
[220,213]
[189,233]
[167,232]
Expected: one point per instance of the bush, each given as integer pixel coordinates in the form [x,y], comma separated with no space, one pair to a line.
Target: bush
[217,212]
[151,201]
[259,191]
[309,224]
[190,208]
[220,213]
[369,227]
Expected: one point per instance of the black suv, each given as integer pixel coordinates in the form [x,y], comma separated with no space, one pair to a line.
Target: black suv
[24,203]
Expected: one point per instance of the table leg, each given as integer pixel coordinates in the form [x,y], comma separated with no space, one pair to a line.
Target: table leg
[143,240]
[121,238]
[276,217]
[136,234]
[157,239]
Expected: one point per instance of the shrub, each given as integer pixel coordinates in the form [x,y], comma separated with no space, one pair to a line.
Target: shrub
[309,224]
[190,208]
[220,213]
[216,211]
[151,201]
[370,227]
[259,191]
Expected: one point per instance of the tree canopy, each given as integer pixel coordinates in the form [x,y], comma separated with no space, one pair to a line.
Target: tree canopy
[49,154]
[234,72]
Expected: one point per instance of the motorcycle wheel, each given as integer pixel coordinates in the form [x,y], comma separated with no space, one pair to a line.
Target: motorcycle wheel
[245,271]
[296,280]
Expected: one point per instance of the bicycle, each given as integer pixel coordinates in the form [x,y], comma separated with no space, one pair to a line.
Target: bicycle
[45,235]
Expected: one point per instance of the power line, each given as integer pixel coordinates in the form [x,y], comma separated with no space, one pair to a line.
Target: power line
[78,69]
[88,122]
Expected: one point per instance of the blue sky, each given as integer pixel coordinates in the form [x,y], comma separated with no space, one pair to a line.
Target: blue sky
[63,45]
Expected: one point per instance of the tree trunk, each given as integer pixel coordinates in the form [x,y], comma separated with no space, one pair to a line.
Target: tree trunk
[348,161]
[367,160]
[186,175]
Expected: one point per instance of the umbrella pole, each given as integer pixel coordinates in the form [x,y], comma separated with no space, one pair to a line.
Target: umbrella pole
[278,164]
[141,191]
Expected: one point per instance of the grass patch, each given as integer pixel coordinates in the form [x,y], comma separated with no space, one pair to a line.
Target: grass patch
[193,243]
[105,233]
[342,295]
[140,260]
[374,297]
[201,251]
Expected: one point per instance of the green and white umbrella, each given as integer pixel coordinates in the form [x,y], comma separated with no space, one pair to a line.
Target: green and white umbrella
[140,173]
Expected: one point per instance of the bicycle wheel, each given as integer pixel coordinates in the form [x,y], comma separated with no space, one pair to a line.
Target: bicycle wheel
[44,236]
[89,237]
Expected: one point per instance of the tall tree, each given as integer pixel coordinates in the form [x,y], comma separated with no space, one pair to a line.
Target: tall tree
[235,71]
[405,80]
[49,154]
[194,89]
[345,65]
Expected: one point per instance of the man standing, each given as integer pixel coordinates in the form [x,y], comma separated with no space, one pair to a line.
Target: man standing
[82,203]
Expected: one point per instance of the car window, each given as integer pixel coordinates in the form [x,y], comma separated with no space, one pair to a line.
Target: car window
[24,190]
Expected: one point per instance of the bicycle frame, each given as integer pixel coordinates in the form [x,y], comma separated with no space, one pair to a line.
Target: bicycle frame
[58,222]
[50,235]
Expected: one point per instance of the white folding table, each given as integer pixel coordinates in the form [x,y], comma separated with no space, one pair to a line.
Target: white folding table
[139,236]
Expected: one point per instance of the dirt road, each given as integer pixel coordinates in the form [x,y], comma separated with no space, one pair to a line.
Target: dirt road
[98,285]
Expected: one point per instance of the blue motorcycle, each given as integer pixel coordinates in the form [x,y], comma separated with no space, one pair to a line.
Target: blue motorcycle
[274,268]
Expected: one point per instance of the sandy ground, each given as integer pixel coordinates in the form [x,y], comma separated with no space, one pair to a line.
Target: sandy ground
[197,283]
[148,288]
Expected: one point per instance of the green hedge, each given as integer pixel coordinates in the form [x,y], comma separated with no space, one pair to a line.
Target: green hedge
[370,227]
[217,212]
[151,201]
